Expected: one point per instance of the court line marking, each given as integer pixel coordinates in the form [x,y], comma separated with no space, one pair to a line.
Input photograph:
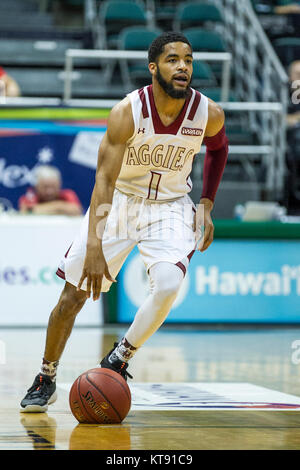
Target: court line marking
[206,396]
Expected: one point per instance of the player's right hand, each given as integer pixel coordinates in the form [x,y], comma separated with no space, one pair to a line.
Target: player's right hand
[94,268]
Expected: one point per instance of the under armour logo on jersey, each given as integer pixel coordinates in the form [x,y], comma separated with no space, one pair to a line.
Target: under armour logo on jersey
[142,130]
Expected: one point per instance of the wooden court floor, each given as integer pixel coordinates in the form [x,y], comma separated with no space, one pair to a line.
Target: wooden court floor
[262,357]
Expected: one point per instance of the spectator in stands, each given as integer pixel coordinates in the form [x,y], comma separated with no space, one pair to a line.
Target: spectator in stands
[293,117]
[286,7]
[8,85]
[47,197]
[293,141]
[290,9]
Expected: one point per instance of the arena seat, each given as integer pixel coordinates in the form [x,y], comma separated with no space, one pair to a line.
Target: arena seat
[116,15]
[194,14]
[205,40]
[203,75]
[136,38]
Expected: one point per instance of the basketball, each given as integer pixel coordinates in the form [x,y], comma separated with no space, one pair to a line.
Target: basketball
[100,396]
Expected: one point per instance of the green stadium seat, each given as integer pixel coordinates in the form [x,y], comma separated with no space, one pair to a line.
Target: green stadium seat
[116,15]
[136,38]
[205,40]
[203,75]
[192,14]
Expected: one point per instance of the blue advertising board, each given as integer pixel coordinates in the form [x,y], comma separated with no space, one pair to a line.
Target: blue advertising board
[26,145]
[232,281]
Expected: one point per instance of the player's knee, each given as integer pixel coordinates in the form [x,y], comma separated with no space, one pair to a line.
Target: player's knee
[167,290]
[167,280]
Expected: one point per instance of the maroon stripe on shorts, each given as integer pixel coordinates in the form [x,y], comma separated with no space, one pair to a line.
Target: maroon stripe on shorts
[182,267]
[68,250]
[144,103]
[190,255]
[194,106]
[60,274]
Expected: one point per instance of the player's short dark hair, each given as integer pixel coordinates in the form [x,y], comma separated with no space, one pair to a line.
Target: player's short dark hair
[157,46]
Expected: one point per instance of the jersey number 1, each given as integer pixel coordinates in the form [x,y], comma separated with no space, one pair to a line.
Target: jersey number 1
[153,185]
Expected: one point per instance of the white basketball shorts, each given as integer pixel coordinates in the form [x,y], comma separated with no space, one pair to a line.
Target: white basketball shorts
[163,231]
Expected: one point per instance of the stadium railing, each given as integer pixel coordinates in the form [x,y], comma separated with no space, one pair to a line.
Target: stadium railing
[249,156]
[109,57]
[258,75]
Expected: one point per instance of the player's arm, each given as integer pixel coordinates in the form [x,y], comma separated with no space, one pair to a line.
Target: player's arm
[214,163]
[120,128]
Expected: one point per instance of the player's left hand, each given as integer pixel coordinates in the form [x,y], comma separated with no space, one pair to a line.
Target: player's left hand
[208,231]
[203,223]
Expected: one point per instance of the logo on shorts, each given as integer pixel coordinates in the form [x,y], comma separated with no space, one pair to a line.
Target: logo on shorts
[191,131]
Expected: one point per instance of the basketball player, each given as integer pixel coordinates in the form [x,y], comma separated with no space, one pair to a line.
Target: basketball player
[141,198]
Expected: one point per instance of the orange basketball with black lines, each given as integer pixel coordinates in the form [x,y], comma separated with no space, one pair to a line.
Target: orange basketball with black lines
[100,396]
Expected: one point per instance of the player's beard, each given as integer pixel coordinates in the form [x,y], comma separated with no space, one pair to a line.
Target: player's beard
[169,89]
